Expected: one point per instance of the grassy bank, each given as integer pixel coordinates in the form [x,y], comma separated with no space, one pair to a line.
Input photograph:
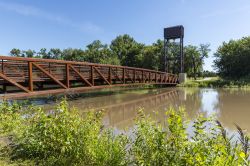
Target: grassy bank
[31,136]
[216,82]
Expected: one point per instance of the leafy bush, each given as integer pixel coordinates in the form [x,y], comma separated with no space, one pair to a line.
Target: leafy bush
[169,145]
[64,137]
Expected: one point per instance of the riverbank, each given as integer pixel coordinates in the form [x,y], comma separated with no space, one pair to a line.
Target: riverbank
[63,137]
[216,82]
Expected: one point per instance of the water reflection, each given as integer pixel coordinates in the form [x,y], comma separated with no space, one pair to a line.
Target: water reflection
[209,100]
[230,106]
[234,107]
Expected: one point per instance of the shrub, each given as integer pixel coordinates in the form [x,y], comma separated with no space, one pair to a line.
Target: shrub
[171,145]
[64,137]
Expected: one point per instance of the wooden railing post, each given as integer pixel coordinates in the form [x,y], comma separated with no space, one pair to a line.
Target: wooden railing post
[149,77]
[134,75]
[123,76]
[2,67]
[110,75]
[49,69]
[142,77]
[92,75]
[30,70]
[155,77]
[67,76]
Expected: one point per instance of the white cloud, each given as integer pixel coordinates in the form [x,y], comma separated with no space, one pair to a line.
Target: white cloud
[25,10]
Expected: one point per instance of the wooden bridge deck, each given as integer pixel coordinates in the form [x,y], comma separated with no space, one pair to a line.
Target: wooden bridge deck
[27,77]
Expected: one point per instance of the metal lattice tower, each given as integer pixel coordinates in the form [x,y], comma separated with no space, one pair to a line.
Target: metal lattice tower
[173,33]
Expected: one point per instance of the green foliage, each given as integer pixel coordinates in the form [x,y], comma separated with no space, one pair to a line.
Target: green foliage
[207,73]
[97,52]
[194,59]
[233,59]
[156,145]
[15,52]
[215,82]
[64,137]
[10,118]
[125,50]
[169,145]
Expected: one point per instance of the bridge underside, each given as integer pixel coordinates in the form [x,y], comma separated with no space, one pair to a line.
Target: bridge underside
[27,77]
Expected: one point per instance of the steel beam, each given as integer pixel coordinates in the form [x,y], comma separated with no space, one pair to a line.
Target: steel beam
[49,75]
[98,71]
[14,82]
[67,75]
[80,75]
[30,76]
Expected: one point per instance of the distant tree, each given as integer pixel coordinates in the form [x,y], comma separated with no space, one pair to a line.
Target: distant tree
[150,59]
[15,52]
[43,54]
[194,58]
[124,50]
[207,73]
[173,64]
[233,59]
[28,53]
[55,53]
[127,50]
[158,52]
[94,51]
[73,54]
[173,58]
[97,52]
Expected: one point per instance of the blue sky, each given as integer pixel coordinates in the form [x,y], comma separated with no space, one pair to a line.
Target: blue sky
[35,24]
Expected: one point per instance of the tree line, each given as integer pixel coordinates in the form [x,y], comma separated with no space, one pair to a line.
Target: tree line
[125,50]
[233,59]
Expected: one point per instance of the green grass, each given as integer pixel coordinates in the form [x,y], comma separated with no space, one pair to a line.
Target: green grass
[63,137]
[216,82]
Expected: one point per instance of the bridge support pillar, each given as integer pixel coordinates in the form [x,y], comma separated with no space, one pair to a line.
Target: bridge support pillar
[182,77]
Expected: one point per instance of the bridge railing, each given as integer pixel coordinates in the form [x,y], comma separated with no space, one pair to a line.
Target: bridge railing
[34,74]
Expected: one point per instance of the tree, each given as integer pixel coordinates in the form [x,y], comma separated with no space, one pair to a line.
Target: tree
[29,53]
[15,52]
[43,54]
[150,59]
[55,53]
[158,55]
[127,50]
[71,54]
[97,52]
[233,59]
[194,58]
[124,50]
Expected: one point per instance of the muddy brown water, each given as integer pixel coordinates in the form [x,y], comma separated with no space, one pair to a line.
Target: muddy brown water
[230,106]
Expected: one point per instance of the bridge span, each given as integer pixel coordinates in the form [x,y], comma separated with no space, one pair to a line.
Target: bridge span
[28,77]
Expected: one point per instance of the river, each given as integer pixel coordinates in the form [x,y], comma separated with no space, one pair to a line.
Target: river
[230,106]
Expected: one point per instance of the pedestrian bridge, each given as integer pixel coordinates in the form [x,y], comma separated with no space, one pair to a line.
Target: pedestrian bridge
[29,77]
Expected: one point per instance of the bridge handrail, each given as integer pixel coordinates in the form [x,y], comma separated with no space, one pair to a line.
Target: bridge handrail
[10,58]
